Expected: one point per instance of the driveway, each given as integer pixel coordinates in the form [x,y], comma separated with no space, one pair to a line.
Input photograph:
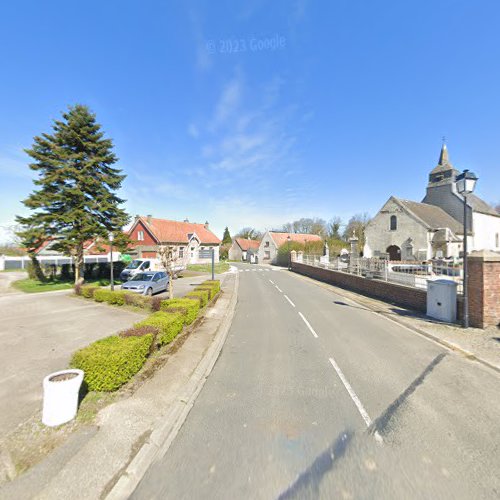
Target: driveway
[38,334]
[6,278]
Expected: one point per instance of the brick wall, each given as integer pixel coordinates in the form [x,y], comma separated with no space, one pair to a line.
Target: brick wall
[412,298]
[484,289]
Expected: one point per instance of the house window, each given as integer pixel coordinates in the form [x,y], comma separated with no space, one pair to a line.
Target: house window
[140,235]
[181,252]
[394,223]
[266,244]
[267,255]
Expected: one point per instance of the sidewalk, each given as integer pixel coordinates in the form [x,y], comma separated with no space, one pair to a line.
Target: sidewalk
[129,434]
[474,343]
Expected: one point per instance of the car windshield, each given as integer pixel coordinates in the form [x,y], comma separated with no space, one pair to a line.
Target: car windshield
[134,264]
[143,277]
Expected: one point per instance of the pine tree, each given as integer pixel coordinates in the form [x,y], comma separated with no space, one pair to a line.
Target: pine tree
[75,199]
[226,239]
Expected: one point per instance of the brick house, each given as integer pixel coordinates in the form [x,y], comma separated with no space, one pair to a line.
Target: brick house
[194,241]
[240,248]
[272,240]
[433,228]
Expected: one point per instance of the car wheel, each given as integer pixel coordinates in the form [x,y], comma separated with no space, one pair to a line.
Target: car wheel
[149,292]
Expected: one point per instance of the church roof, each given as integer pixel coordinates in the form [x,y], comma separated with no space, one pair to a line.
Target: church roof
[435,217]
[479,205]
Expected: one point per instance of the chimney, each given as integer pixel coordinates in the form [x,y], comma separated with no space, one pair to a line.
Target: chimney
[186,220]
[148,219]
[206,225]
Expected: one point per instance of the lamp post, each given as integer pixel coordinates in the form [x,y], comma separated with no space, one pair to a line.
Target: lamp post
[213,263]
[289,239]
[466,182]
[111,239]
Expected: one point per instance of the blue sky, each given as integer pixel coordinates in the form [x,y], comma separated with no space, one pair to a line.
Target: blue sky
[326,110]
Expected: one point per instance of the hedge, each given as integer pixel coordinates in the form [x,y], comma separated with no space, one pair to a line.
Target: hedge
[215,284]
[201,295]
[169,325]
[111,297]
[111,362]
[88,291]
[187,307]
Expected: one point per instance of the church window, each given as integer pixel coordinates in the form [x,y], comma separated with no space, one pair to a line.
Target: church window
[394,223]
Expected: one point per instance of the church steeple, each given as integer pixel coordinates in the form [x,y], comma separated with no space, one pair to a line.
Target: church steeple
[443,157]
[443,172]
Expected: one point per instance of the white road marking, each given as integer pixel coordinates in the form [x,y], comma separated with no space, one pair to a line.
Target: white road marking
[271,281]
[354,397]
[287,298]
[247,270]
[267,270]
[308,325]
[279,289]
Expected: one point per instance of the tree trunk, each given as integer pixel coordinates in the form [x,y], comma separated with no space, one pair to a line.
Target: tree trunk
[78,258]
[37,268]
[171,285]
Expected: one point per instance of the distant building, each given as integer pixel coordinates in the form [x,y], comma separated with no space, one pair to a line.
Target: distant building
[272,240]
[407,230]
[194,242]
[240,247]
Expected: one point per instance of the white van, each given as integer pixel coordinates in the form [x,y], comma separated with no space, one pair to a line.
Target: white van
[140,265]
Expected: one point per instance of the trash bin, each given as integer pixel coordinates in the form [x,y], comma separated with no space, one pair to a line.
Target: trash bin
[442,300]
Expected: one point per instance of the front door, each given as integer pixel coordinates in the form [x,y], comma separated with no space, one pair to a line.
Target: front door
[394,252]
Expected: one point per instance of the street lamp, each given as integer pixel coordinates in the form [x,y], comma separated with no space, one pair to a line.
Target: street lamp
[289,239]
[466,182]
[111,239]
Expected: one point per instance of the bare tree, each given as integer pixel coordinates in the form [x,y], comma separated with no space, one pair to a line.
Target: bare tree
[333,228]
[356,225]
[249,233]
[172,261]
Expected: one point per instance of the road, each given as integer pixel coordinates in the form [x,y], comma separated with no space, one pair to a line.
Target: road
[316,397]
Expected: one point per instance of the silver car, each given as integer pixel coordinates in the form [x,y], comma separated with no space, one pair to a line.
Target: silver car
[147,283]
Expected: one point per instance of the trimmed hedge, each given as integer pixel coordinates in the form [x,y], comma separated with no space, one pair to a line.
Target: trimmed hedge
[111,362]
[116,297]
[88,291]
[215,284]
[187,307]
[169,325]
[201,295]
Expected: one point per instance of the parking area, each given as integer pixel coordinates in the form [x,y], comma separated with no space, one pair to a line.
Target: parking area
[38,334]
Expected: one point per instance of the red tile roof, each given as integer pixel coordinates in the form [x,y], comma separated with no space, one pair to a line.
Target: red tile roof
[171,231]
[281,238]
[247,244]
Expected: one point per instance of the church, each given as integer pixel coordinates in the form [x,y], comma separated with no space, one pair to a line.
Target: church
[433,228]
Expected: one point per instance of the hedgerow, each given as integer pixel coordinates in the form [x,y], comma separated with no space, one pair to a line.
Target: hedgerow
[188,308]
[111,362]
[201,295]
[168,324]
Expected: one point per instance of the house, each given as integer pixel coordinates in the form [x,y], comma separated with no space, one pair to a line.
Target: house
[194,242]
[272,240]
[240,248]
[433,228]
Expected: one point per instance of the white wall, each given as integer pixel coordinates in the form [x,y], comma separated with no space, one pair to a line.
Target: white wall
[485,228]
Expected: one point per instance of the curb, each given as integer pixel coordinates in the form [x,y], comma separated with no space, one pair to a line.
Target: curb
[162,437]
[444,343]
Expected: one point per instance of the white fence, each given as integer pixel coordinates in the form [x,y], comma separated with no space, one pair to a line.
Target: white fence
[409,273]
[8,262]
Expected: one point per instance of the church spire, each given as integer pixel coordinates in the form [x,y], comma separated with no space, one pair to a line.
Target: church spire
[443,157]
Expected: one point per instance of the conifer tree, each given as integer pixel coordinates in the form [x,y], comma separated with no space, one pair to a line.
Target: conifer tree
[75,197]
[226,239]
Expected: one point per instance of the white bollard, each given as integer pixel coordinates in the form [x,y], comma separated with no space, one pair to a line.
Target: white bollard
[60,396]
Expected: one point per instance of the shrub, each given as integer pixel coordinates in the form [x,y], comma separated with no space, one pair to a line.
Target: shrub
[215,284]
[168,324]
[134,299]
[141,331]
[201,295]
[78,289]
[116,297]
[88,291]
[111,362]
[188,308]
[206,288]
[156,303]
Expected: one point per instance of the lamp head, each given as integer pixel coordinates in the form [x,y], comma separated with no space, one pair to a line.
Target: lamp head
[466,182]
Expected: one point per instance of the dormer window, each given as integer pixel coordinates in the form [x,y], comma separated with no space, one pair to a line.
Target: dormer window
[394,223]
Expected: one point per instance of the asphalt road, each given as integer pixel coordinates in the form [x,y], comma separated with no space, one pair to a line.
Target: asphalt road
[315,397]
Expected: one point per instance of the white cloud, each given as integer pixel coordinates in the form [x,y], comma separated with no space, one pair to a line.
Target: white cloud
[193,131]
[227,104]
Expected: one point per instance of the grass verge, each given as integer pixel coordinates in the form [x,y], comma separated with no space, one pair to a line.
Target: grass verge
[29,285]
[220,267]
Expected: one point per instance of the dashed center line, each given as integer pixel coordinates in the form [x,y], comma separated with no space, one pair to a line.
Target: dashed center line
[354,397]
[291,303]
[271,281]
[279,289]
[311,329]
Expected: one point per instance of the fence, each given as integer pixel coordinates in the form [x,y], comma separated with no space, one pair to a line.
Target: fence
[408,273]
[13,262]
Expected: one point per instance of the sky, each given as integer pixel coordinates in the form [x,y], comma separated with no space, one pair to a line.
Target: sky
[254,113]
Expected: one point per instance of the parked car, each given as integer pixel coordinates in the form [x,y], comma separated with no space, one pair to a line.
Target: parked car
[147,283]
